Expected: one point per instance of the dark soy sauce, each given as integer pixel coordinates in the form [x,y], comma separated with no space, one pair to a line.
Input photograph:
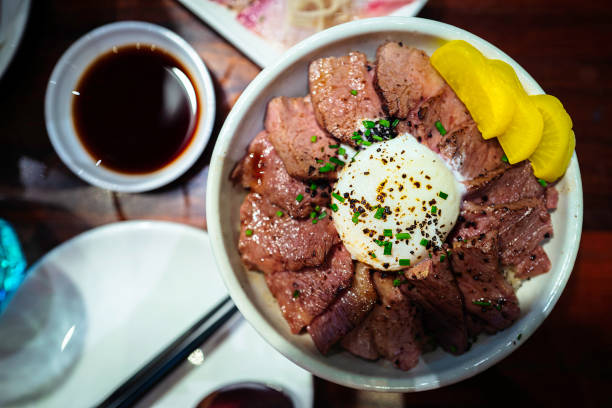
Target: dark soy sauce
[135,109]
[246,395]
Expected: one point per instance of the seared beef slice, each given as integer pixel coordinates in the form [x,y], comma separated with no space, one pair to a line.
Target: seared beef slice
[489,298]
[263,172]
[282,243]
[433,289]
[392,330]
[292,126]
[304,294]
[346,312]
[331,81]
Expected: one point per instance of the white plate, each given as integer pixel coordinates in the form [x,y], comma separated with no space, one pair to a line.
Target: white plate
[13,19]
[255,47]
[94,310]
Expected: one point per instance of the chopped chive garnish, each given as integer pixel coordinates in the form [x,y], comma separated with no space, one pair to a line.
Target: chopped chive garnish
[356,133]
[442,258]
[542,182]
[313,138]
[481,303]
[395,122]
[388,233]
[356,217]
[505,158]
[452,348]
[388,246]
[430,256]
[341,151]
[322,215]
[368,124]
[313,186]
[353,158]
[404,262]
[314,220]
[313,214]
[320,161]
[335,146]
[440,128]
[248,232]
[334,207]
[379,242]
[402,235]
[498,307]
[372,254]
[337,161]
[296,293]
[376,137]
[434,209]
[356,136]
[443,195]
[279,213]
[368,132]
[519,336]
[384,123]
[317,208]
[366,142]
[299,198]
[327,168]
[338,197]
[424,242]
[353,92]
[379,213]
[397,282]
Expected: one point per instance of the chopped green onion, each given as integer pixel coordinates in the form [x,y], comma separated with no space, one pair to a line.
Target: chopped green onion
[248,232]
[498,307]
[353,92]
[542,182]
[356,136]
[279,213]
[341,151]
[334,146]
[379,242]
[368,132]
[296,293]
[396,282]
[519,336]
[327,168]
[440,128]
[313,186]
[317,208]
[388,246]
[434,209]
[314,220]
[442,258]
[505,158]
[388,233]
[313,139]
[404,262]
[424,242]
[368,124]
[337,161]
[313,214]
[384,123]
[481,303]
[452,348]
[376,137]
[299,198]
[356,217]
[320,161]
[430,256]
[322,215]
[372,254]
[395,122]
[366,142]
[334,207]
[443,195]
[379,213]
[402,235]
[338,197]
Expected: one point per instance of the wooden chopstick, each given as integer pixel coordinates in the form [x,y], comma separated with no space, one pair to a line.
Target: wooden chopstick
[168,359]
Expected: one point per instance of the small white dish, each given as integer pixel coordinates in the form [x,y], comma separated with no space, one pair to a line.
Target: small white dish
[289,77]
[67,73]
[13,21]
[97,308]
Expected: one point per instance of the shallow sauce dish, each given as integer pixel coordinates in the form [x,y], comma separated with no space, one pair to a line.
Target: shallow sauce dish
[288,77]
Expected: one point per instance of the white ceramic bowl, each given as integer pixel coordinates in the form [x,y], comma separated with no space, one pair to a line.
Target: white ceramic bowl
[248,290]
[68,71]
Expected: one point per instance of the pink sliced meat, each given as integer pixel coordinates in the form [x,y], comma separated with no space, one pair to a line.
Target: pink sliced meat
[282,243]
[292,127]
[346,312]
[302,295]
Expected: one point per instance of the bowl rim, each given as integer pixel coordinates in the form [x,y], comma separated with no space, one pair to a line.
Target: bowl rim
[213,206]
[134,183]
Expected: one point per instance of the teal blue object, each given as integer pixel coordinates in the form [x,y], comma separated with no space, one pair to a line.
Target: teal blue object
[12,263]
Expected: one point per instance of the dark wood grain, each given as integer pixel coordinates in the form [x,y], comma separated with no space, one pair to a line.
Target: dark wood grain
[563,44]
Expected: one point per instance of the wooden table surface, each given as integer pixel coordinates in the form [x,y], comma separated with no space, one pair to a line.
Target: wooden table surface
[564,44]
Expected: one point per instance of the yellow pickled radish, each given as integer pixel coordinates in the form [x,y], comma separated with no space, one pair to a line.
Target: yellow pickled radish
[466,71]
[551,158]
[524,133]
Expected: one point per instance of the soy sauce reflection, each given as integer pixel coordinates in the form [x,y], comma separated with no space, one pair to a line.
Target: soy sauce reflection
[135,109]
[246,395]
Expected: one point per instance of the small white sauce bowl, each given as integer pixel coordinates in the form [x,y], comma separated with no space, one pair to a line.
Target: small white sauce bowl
[69,70]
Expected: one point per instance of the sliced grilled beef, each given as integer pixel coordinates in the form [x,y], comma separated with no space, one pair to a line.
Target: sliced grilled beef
[304,294]
[282,243]
[535,263]
[331,81]
[346,312]
[430,284]
[405,78]
[292,127]
[489,298]
[392,329]
[263,172]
